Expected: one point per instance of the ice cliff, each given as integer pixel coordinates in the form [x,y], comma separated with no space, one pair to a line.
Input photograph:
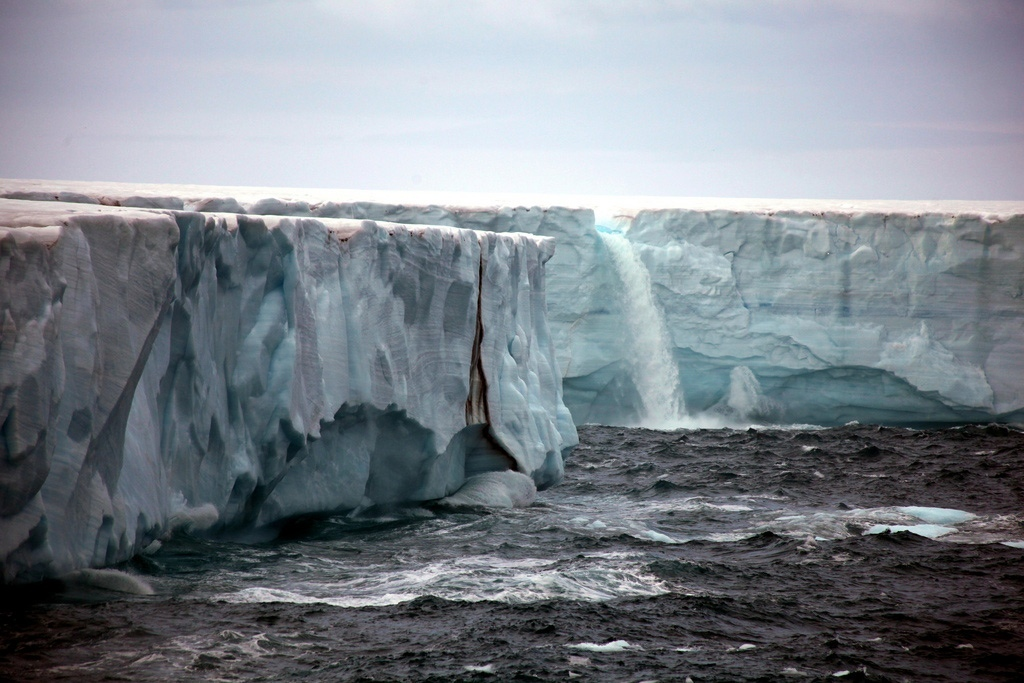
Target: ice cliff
[901,313]
[169,348]
[161,367]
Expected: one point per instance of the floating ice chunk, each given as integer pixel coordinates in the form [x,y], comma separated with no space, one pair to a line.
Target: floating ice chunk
[745,647]
[926,530]
[485,669]
[938,515]
[840,674]
[597,524]
[659,537]
[613,646]
[1014,544]
[506,489]
[793,672]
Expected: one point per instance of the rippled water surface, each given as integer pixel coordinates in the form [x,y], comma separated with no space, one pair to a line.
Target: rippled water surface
[857,553]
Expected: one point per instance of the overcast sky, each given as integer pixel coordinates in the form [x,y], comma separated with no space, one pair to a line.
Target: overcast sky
[858,99]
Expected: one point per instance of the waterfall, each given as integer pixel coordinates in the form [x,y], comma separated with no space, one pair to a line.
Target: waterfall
[654,372]
[745,399]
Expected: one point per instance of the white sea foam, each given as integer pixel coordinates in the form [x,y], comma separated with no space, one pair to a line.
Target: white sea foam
[472,579]
[188,518]
[108,580]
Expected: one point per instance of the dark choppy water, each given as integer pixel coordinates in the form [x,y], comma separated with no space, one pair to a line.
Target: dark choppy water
[714,555]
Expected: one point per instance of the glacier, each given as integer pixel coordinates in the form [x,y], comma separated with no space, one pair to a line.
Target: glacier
[233,347]
[772,311]
[162,367]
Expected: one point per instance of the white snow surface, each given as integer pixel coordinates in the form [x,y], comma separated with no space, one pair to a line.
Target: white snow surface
[895,312]
[162,367]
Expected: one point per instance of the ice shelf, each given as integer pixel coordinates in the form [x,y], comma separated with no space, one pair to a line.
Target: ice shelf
[163,367]
[224,344]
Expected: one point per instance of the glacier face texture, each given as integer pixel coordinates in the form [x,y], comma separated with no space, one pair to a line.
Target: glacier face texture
[896,313]
[882,318]
[162,367]
[231,356]
[900,313]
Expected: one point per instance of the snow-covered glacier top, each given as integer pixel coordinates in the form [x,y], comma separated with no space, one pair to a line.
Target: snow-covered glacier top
[199,196]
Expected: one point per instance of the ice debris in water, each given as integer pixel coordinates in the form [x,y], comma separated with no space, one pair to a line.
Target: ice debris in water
[659,537]
[613,646]
[938,515]
[743,648]
[485,669]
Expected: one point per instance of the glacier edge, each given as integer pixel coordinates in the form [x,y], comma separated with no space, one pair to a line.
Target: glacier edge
[159,366]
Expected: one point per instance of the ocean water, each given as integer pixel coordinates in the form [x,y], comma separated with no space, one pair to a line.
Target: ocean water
[850,554]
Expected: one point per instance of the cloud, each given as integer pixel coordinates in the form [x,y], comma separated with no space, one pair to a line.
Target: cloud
[553,85]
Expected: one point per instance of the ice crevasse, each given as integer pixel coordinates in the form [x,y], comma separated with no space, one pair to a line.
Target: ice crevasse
[163,367]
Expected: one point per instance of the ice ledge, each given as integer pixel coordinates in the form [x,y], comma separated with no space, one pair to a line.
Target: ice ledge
[162,367]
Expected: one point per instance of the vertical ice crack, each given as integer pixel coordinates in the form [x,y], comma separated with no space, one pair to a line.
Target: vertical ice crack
[476,402]
[486,453]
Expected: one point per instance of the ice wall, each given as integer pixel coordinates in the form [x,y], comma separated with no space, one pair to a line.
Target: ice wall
[884,317]
[163,367]
[786,311]
[816,312]
[904,313]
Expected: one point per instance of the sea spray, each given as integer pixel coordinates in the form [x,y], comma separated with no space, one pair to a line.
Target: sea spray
[654,372]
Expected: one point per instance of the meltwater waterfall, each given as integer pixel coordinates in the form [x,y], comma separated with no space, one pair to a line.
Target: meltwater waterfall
[655,373]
